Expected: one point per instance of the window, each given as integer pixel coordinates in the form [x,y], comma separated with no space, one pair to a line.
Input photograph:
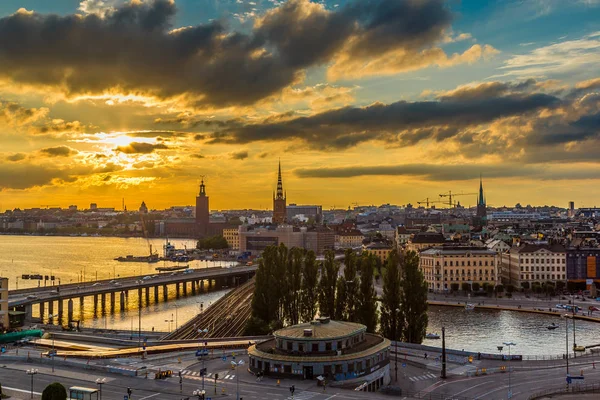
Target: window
[315,347]
[289,346]
[339,345]
[339,369]
[301,348]
[287,369]
[486,263]
[328,346]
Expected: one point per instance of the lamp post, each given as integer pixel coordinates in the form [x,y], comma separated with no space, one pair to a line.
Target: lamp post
[199,393]
[203,353]
[567,340]
[31,372]
[509,344]
[100,382]
[396,312]
[51,316]
[169,321]
[140,314]
[241,362]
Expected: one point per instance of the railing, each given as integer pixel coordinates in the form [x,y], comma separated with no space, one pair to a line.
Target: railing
[573,388]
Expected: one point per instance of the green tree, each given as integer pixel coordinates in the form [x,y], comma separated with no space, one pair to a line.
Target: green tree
[366,311]
[54,391]
[347,289]
[391,322]
[454,287]
[292,285]
[525,285]
[510,288]
[212,243]
[413,300]
[340,299]
[327,285]
[466,287]
[309,293]
[475,286]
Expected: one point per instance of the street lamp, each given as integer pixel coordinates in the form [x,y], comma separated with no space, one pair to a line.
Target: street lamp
[100,382]
[203,352]
[140,313]
[199,393]
[241,362]
[396,312]
[53,351]
[509,344]
[31,372]
[169,321]
[566,316]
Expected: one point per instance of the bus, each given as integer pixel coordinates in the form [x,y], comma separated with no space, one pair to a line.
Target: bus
[83,393]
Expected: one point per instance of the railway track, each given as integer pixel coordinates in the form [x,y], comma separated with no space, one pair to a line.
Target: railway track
[225,318]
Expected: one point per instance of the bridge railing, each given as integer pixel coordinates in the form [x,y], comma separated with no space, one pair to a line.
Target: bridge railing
[574,388]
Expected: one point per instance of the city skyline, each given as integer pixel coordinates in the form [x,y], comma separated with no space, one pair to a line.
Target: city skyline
[360,105]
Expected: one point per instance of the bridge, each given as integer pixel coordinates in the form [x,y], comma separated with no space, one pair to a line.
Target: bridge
[216,277]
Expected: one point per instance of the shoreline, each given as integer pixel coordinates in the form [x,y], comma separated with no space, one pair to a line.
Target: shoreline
[551,312]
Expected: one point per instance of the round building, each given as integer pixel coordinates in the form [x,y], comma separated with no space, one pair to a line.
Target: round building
[341,352]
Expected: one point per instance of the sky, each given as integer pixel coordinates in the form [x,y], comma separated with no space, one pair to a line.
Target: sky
[362,101]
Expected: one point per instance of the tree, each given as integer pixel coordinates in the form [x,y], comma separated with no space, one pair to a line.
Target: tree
[466,287]
[340,299]
[292,285]
[414,299]
[347,289]
[391,314]
[499,288]
[366,311]
[309,293]
[475,286]
[327,285]
[212,242]
[510,288]
[54,391]
[525,285]
[454,287]
[490,289]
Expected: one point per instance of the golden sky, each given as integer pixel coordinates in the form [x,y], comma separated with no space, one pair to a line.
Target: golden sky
[369,102]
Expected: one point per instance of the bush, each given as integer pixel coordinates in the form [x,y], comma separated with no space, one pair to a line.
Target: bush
[54,391]
[454,287]
[475,286]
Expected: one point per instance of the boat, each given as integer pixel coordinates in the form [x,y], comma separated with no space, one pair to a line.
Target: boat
[469,306]
[147,259]
[432,336]
[552,326]
[173,268]
[579,348]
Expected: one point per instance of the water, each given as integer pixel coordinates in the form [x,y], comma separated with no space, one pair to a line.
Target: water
[76,259]
[484,330]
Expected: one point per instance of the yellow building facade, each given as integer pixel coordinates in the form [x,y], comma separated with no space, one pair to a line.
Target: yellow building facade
[232,235]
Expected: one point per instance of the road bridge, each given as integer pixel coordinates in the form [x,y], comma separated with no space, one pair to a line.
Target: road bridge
[191,280]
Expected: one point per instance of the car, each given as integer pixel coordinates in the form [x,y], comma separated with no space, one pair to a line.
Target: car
[113,281]
[597,298]
[117,284]
[154,276]
[173,273]
[97,284]
[146,278]
[560,306]
[32,297]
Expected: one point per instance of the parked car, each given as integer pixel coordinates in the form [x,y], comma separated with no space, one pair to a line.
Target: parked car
[147,277]
[32,297]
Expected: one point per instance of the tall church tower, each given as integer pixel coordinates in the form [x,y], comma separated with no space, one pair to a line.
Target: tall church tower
[481,215]
[202,211]
[279,206]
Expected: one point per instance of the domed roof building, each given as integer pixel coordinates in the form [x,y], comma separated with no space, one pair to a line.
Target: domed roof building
[340,352]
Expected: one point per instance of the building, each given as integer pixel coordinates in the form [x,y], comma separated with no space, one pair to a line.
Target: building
[341,352]
[232,235]
[481,213]
[143,208]
[402,236]
[93,206]
[443,266]
[349,239]
[4,318]
[571,209]
[538,262]
[256,239]
[583,266]
[202,211]
[279,198]
[379,249]
[425,240]
[309,212]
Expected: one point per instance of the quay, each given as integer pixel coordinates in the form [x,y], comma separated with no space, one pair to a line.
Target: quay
[45,298]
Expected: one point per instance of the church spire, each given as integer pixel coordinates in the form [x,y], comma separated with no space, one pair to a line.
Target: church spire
[280,194]
[202,188]
[481,200]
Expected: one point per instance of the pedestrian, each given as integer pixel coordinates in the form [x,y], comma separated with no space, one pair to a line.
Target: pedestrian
[426,356]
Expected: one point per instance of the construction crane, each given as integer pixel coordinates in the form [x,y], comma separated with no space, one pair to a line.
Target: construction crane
[48,205]
[427,201]
[450,195]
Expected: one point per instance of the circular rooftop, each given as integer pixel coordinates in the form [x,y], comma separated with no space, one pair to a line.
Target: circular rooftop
[322,328]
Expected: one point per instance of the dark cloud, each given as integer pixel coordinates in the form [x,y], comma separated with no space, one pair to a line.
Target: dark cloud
[16,157]
[156,134]
[239,155]
[404,123]
[141,148]
[133,47]
[23,176]
[263,155]
[199,156]
[58,151]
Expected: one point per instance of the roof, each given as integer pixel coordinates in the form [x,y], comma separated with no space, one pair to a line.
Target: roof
[429,237]
[320,330]
[402,230]
[532,248]
[458,250]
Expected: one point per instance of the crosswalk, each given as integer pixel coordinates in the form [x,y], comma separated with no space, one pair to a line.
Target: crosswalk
[303,396]
[423,377]
[186,373]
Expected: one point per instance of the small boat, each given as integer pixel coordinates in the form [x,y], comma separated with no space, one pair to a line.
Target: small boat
[173,268]
[432,336]
[552,326]
[469,306]
[579,348]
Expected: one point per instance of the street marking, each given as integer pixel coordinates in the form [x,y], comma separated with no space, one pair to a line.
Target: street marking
[152,395]
[21,390]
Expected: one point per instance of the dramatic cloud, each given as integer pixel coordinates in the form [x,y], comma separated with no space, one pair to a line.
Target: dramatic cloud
[58,151]
[14,114]
[24,176]
[403,123]
[86,54]
[239,155]
[16,157]
[141,148]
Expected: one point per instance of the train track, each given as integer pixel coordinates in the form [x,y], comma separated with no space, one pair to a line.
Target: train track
[225,318]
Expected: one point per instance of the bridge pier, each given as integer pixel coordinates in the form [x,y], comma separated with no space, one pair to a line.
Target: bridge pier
[202,285]
[209,283]
[148,295]
[95,301]
[42,309]
[185,288]
[177,289]
[165,293]
[69,311]
[103,302]
[60,311]
[139,297]
[156,294]
[112,302]
[193,287]
[122,301]
[51,311]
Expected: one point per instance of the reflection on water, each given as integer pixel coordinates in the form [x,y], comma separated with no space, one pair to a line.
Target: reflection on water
[484,330]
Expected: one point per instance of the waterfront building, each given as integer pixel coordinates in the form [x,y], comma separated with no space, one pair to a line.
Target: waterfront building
[202,211]
[535,263]
[444,265]
[379,249]
[583,266]
[341,352]
[425,240]
[279,199]
[232,235]
[4,318]
[256,239]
